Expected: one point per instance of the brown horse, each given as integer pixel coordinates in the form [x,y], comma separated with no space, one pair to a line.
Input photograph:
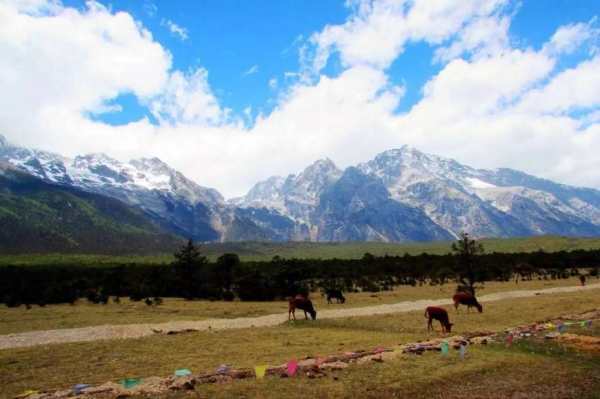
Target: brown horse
[439,314]
[464,298]
[302,303]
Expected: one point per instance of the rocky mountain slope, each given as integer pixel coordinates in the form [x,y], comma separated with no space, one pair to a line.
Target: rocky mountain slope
[38,217]
[455,197]
[400,195]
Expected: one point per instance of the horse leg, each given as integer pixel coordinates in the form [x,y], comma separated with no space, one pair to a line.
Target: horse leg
[305,315]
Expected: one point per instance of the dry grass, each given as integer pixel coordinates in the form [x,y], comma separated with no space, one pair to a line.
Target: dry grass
[85,314]
[486,373]
[59,366]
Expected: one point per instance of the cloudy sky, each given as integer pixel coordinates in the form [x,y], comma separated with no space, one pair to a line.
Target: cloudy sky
[231,92]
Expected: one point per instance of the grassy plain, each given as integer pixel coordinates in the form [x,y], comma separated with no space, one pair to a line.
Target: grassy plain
[85,314]
[492,371]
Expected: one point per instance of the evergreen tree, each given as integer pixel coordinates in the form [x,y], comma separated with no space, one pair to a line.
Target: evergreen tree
[188,265]
[467,267]
[226,265]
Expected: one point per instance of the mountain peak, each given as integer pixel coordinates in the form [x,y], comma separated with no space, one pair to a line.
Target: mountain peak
[319,168]
[153,163]
[404,152]
[92,158]
[3,141]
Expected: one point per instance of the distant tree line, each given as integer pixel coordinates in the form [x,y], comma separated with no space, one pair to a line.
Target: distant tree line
[191,276]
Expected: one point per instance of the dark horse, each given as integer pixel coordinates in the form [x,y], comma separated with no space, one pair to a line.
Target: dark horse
[335,294]
[439,314]
[302,303]
[464,298]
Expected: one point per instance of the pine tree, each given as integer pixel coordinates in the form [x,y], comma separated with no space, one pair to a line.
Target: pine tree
[467,267]
[188,265]
[226,264]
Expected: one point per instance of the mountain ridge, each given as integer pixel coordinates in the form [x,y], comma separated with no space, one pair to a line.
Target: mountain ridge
[411,196]
[41,217]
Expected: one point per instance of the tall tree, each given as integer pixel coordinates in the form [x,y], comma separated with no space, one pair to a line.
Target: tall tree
[467,267]
[188,266]
[226,264]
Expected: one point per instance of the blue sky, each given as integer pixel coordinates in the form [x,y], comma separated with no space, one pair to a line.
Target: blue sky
[245,44]
[232,92]
[229,38]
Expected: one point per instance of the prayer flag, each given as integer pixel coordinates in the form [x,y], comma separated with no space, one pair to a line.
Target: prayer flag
[292,367]
[444,347]
[260,371]
[129,383]
[79,387]
[182,372]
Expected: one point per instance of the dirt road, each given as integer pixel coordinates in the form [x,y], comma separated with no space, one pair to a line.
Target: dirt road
[94,333]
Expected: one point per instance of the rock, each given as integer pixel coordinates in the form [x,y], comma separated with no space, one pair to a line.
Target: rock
[183,384]
[334,366]
[185,331]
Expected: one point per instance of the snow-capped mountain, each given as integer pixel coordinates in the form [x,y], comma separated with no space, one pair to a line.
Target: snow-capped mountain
[296,196]
[400,195]
[485,202]
[455,197]
[173,201]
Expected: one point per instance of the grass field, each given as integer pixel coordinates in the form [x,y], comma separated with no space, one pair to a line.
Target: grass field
[86,314]
[492,371]
[258,251]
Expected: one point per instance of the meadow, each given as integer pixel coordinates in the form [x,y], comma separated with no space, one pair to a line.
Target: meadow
[524,370]
[84,313]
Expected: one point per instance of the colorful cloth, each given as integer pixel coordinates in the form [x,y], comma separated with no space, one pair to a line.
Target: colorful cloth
[260,371]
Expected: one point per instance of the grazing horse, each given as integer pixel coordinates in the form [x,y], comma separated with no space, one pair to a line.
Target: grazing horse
[302,303]
[335,294]
[464,298]
[439,314]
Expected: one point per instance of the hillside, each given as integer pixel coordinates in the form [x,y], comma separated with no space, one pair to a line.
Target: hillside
[39,217]
[257,251]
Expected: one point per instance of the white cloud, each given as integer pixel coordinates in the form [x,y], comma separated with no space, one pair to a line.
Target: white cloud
[491,104]
[188,99]
[273,83]
[251,71]
[575,88]
[175,29]
[570,37]
[485,36]
[47,70]
[150,8]
[377,33]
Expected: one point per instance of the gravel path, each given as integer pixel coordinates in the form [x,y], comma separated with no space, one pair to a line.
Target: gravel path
[94,333]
